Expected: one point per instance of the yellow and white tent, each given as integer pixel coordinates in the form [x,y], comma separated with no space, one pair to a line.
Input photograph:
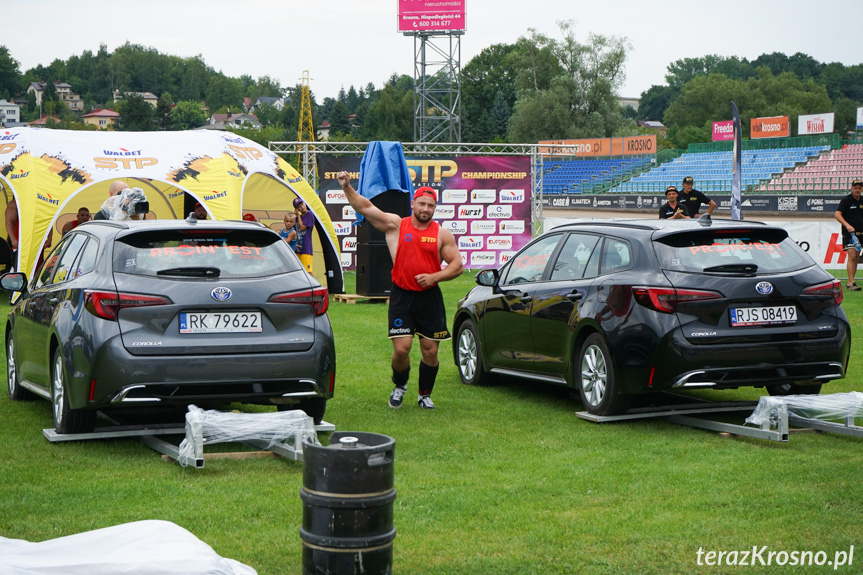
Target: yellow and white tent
[53,173]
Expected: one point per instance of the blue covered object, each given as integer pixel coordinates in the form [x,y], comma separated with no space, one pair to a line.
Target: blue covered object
[383,169]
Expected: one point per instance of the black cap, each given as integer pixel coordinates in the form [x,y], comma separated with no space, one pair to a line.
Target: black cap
[670,189]
[688,180]
[857,182]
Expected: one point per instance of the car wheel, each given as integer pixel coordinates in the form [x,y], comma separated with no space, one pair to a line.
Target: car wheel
[67,420]
[16,392]
[469,357]
[801,388]
[596,381]
[314,408]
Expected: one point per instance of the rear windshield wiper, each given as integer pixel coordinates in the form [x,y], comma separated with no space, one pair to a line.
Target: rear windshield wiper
[198,272]
[733,268]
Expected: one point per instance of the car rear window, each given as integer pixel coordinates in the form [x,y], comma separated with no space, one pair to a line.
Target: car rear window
[203,253]
[730,251]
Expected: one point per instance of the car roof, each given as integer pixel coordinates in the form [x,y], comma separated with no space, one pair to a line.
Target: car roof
[156,225]
[661,228]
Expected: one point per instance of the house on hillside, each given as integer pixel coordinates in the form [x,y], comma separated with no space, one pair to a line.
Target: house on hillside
[624,102]
[103,119]
[64,94]
[277,103]
[42,121]
[148,97]
[656,127]
[229,120]
[10,114]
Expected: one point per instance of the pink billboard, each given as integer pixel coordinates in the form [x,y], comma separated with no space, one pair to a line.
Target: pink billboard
[723,131]
[431,15]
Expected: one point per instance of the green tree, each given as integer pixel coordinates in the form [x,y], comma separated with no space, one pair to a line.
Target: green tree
[224,91]
[487,89]
[136,115]
[267,115]
[187,115]
[10,76]
[268,87]
[340,124]
[162,114]
[391,117]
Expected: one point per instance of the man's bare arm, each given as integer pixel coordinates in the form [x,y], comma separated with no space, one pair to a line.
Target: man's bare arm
[381,220]
[12,222]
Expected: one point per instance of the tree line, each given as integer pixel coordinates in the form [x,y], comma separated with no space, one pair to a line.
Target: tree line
[540,87]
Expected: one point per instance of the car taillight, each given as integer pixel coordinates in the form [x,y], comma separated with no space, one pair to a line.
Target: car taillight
[832,289]
[318,298]
[107,304]
[666,300]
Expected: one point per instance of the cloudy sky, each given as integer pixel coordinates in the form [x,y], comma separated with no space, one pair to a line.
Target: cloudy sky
[353,42]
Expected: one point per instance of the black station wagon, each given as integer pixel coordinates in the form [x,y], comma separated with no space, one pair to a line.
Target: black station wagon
[619,308]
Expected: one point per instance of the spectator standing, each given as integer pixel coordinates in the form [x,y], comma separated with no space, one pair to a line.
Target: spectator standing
[82,216]
[289,232]
[305,223]
[672,209]
[113,198]
[693,199]
[200,212]
[418,246]
[849,213]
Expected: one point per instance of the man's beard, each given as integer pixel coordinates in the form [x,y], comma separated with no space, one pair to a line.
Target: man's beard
[423,217]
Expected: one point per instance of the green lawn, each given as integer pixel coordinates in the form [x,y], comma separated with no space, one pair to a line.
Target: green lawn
[500,480]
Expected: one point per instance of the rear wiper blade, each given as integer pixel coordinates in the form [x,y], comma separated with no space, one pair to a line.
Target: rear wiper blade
[199,272]
[733,268]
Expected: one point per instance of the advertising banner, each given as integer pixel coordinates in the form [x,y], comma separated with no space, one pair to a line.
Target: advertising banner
[806,203]
[860,118]
[774,127]
[431,15]
[815,124]
[723,131]
[599,147]
[484,201]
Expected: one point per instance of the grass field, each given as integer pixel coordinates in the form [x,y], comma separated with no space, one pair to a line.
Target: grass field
[500,480]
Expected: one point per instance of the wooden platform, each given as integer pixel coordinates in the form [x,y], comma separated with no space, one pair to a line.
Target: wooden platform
[353,298]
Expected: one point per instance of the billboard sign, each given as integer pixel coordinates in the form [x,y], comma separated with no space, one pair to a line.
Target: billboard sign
[860,118]
[485,201]
[601,147]
[815,124]
[775,127]
[723,131]
[431,16]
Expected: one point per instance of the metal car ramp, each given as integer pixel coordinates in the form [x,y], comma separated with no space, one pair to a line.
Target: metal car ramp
[697,413]
[191,451]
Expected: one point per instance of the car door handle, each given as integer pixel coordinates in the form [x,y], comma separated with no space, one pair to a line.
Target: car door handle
[527,298]
[574,296]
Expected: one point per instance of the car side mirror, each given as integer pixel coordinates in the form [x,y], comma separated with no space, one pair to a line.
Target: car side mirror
[488,278]
[13,281]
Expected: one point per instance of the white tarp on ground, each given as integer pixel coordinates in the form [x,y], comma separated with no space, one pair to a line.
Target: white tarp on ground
[140,548]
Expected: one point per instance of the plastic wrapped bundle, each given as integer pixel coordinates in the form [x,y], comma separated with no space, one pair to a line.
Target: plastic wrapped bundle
[211,427]
[125,204]
[837,406]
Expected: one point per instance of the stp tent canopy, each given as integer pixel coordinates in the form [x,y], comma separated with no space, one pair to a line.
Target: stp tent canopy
[52,173]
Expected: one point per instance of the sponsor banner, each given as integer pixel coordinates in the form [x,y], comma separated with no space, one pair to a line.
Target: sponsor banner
[431,15]
[594,147]
[761,203]
[775,127]
[723,131]
[815,124]
[480,197]
[347,259]
[342,228]
[860,118]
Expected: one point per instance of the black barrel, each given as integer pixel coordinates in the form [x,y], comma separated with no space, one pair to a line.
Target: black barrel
[348,499]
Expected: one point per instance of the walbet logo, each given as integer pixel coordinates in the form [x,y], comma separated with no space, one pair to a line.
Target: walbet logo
[469,243]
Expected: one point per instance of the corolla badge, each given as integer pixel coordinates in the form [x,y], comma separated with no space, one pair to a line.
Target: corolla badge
[764,288]
[221,294]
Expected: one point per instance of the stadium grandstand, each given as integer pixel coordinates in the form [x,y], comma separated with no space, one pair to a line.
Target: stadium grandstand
[821,165]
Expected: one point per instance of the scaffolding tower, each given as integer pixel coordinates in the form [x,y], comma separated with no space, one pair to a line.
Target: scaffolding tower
[306,133]
[437,86]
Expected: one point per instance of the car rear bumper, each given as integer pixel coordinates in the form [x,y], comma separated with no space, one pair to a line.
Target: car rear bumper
[119,379]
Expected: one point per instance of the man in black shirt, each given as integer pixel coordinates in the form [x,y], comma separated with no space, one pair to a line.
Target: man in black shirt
[849,213]
[693,199]
[672,209]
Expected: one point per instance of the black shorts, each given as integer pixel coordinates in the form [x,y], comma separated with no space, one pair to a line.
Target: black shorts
[420,312]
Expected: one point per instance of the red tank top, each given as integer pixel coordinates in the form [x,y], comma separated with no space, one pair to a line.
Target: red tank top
[417,253]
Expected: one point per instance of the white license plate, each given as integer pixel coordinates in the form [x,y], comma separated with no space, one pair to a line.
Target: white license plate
[742,316]
[220,322]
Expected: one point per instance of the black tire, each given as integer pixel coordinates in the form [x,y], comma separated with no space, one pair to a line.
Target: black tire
[16,392]
[596,380]
[797,388]
[468,357]
[67,420]
[315,408]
